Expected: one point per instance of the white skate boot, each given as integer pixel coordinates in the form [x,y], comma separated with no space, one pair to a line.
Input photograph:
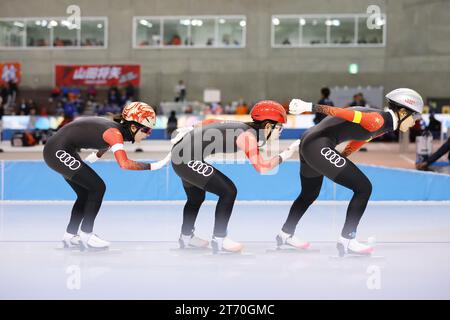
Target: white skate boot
[90,241]
[70,240]
[284,238]
[192,241]
[225,245]
[352,246]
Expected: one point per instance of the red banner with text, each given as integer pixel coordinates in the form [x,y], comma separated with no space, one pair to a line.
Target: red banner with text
[98,75]
[10,71]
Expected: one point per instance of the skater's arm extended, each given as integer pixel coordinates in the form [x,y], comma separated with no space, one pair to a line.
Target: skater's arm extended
[207,121]
[114,138]
[248,143]
[181,132]
[94,156]
[371,121]
[161,163]
[354,145]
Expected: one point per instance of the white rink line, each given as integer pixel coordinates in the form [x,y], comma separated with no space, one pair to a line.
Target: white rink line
[407,159]
[212,202]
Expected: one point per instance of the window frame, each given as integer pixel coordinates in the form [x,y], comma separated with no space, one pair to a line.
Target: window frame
[161,19]
[355,44]
[51,46]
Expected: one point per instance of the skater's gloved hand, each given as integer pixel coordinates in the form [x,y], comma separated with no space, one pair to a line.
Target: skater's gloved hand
[161,163]
[298,106]
[289,152]
[180,133]
[92,157]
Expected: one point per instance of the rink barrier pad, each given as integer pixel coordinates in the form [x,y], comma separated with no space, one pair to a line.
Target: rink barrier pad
[34,180]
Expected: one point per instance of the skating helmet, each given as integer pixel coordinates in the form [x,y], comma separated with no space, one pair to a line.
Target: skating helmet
[406,98]
[140,113]
[268,110]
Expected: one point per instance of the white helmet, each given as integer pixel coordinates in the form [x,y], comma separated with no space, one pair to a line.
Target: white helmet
[406,98]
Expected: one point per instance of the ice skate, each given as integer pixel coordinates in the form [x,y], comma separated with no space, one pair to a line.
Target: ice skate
[286,239]
[352,247]
[91,242]
[192,241]
[225,245]
[70,241]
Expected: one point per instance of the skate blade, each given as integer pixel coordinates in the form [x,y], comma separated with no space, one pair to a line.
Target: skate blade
[357,257]
[63,248]
[91,251]
[291,250]
[190,249]
[230,255]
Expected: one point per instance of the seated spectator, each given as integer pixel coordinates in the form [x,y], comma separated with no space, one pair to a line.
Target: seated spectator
[55,93]
[58,42]
[230,108]
[24,108]
[91,92]
[188,109]
[43,111]
[216,108]
[175,41]
[207,110]
[31,104]
[242,108]
[59,108]
[130,91]
[70,109]
[124,99]
[358,101]
[113,95]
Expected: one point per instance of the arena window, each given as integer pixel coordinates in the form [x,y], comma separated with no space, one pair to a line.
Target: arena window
[189,32]
[373,36]
[52,33]
[93,32]
[350,30]
[12,33]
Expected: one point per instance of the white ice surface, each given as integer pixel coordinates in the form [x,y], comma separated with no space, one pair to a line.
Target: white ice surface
[412,254]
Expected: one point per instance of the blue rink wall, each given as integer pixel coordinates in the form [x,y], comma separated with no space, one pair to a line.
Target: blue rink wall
[33,180]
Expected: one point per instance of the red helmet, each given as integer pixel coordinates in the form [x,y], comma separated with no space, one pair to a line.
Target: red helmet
[269,110]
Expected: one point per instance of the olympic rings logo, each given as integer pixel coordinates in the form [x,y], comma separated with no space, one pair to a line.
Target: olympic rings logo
[68,160]
[200,167]
[333,157]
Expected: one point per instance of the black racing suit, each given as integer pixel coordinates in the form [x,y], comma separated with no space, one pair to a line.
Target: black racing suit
[199,176]
[319,158]
[61,154]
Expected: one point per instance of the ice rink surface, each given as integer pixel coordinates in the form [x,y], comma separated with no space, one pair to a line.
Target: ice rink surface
[411,260]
